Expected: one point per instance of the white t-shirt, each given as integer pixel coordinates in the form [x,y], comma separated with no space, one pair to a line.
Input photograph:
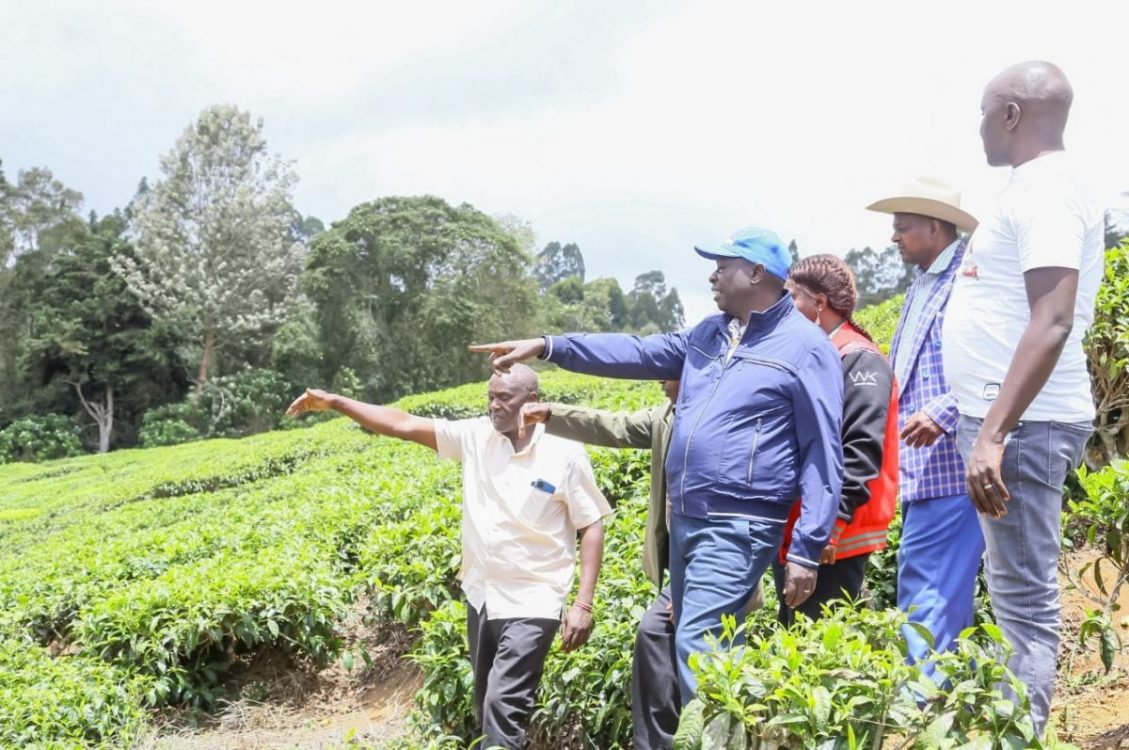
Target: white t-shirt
[521,512]
[1045,217]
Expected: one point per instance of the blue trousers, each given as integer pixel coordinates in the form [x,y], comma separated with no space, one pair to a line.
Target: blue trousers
[715,564]
[938,559]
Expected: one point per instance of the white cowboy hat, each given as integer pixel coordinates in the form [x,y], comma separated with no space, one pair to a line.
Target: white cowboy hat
[928,197]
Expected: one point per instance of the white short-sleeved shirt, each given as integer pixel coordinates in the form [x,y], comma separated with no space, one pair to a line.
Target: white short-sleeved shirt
[1045,217]
[519,539]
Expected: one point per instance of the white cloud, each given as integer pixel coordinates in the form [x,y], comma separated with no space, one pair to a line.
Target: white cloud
[633,132]
[787,117]
[310,53]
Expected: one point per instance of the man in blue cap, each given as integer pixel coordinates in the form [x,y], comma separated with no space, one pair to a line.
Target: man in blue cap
[757,424]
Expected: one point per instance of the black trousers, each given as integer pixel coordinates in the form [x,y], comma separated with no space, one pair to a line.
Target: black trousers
[507,658]
[844,578]
[655,703]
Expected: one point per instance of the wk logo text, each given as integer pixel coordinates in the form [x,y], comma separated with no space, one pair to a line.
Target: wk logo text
[864,378]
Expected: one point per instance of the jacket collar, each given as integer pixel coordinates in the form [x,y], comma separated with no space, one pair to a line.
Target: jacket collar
[760,321]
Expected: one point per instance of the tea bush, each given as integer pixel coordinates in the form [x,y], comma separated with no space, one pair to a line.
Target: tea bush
[843,682]
[137,578]
[1107,351]
[245,403]
[48,702]
[881,320]
[1101,518]
[42,438]
[156,568]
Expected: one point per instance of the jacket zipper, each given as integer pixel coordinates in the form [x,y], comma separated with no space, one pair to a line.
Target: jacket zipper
[690,437]
[753,452]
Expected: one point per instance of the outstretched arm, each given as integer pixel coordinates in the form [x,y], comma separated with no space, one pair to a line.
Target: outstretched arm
[612,429]
[610,355]
[383,420]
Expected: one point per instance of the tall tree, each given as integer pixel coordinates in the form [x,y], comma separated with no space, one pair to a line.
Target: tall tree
[403,284]
[558,262]
[568,290]
[652,307]
[37,211]
[7,240]
[880,276]
[38,220]
[92,335]
[216,251]
[606,299]
[304,228]
[793,251]
[672,316]
[520,229]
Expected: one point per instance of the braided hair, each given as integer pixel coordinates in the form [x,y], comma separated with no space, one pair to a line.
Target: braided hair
[829,275]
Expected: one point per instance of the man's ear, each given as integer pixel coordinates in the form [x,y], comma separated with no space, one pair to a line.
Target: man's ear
[1012,114]
[757,274]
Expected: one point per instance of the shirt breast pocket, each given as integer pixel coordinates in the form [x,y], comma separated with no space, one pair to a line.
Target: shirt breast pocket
[541,505]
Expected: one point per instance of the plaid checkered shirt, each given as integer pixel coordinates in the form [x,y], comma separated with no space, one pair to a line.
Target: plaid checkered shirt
[936,470]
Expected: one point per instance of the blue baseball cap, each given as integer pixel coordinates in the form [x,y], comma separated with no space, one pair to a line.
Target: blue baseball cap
[755,245]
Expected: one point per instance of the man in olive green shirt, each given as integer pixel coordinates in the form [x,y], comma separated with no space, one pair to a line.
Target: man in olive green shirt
[655,701]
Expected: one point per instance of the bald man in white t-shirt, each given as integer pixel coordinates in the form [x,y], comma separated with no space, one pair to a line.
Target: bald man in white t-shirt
[1012,344]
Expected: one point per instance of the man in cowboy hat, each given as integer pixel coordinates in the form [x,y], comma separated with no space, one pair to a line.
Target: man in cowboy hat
[941,543]
[1022,303]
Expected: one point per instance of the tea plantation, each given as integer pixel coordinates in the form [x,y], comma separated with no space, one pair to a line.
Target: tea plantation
[134,580]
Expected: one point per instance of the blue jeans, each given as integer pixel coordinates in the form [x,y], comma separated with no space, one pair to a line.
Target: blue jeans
[1023,547]
[938,559]
[714,566]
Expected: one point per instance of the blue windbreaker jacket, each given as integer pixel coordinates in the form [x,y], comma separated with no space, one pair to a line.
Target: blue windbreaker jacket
[750,435]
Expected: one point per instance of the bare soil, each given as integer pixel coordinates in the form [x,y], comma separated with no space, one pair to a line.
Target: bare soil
[284,703]
[1091,707]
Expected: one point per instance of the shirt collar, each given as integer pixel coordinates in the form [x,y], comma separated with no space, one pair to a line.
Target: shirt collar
[538,431]
[944,259]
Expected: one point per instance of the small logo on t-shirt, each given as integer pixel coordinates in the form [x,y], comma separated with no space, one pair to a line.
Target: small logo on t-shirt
[968,266]
[991,391]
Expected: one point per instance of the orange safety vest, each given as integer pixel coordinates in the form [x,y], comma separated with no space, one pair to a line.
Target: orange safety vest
[868,529]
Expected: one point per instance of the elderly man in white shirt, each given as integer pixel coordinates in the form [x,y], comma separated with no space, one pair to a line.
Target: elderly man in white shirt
[526,495]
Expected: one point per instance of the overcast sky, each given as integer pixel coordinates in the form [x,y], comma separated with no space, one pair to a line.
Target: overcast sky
[633,128]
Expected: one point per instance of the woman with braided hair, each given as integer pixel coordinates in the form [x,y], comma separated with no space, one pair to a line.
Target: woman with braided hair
[823,289]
